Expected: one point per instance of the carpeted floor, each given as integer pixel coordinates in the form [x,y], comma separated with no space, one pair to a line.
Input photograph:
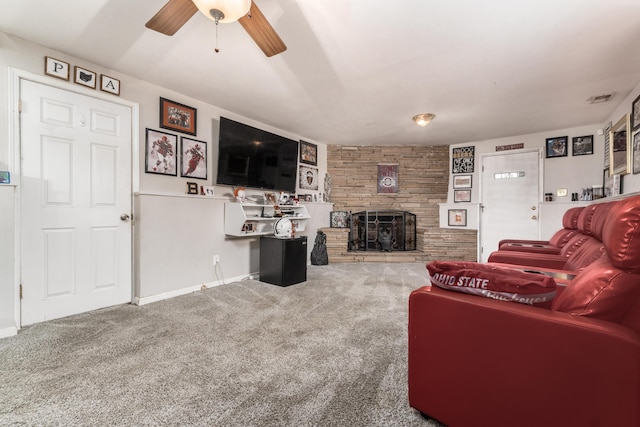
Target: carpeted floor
[331,351]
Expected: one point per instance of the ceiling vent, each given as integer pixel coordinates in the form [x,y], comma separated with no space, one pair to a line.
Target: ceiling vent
[597,99]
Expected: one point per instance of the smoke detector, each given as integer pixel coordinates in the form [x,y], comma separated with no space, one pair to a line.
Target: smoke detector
[597,99]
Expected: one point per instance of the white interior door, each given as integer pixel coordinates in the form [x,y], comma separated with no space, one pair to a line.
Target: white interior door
[510,194]
[75,186]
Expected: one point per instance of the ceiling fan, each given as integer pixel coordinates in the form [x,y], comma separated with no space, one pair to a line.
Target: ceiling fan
[176,13]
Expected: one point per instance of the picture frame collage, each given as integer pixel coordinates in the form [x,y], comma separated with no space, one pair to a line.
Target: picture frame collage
[463,159]
[166,152]
[558,146]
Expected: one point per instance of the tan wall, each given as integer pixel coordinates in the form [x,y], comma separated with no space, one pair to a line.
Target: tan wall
[423,181]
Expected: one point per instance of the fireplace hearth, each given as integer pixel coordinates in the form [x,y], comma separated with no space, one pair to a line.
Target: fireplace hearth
[382,230]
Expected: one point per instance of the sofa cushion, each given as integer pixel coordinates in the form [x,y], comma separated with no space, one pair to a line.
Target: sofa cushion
[492,282]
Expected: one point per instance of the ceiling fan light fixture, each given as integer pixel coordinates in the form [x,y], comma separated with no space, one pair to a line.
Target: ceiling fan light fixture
[224,11]
[423,119]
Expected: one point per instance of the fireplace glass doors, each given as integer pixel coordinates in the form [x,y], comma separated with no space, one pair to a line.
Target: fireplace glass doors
[383,231]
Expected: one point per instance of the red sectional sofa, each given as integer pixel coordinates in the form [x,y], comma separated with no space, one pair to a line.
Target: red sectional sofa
[583,247]
[551,246]
[477,361]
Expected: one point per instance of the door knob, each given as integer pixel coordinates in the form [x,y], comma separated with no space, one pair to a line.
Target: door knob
[534,217]
[124,217]
[533,208]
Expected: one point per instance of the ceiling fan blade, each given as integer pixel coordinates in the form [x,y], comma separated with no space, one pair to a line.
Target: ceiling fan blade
[261,31]
[172,16]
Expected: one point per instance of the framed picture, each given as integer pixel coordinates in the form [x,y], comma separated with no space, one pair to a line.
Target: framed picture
[636,153]
[160,153]
[635,114]
[462,181]
[582,145]
[56,68]
[270,198]
[193,158]
[462,159]
[178,117]
[461,196]
[109,84]
[308,153]
[557,146]
[5,177]
[338,219]
[308,178]
[84,77]
[458,217]
[620,147]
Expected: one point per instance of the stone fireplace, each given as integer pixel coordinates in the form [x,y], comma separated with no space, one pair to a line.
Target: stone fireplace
[382,230]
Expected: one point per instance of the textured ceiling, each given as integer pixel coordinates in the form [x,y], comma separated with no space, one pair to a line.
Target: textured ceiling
[355,72]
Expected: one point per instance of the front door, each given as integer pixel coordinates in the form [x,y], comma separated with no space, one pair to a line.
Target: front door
[76,201]
[510,194]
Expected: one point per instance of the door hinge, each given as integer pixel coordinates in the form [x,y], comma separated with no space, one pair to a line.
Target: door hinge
[19,105]
[20,291]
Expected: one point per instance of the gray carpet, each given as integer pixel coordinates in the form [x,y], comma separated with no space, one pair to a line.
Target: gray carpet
[331,351]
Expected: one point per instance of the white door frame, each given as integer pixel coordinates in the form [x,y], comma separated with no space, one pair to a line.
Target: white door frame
[15,77]
[540,189]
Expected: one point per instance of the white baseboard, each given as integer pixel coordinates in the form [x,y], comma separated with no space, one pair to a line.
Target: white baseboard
[8,332]
[184,291]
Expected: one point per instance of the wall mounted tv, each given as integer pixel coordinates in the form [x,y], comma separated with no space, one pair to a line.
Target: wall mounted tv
[250,157]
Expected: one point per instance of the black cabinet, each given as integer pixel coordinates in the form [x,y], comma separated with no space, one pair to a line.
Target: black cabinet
[283,262]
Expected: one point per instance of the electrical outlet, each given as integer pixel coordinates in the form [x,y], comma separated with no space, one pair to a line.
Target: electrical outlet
[216,259]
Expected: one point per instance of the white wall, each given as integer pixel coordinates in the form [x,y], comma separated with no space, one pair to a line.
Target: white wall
[175,235]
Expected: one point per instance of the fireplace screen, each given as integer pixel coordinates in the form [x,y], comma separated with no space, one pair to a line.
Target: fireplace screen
[383,231]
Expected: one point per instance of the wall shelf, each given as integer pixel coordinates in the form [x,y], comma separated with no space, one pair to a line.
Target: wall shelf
[245,220]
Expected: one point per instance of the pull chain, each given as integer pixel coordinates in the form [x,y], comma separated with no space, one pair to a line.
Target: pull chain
[216,49]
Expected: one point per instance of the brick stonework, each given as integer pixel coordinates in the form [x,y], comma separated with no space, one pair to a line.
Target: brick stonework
[423,180]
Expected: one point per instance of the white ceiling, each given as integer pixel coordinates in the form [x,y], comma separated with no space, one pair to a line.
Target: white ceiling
[355,72]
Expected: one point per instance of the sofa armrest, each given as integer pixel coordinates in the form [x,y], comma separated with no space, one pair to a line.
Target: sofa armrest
[528,258]
[528,242]
[506,364]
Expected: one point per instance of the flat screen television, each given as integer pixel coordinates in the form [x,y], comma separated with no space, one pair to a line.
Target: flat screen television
[254,158]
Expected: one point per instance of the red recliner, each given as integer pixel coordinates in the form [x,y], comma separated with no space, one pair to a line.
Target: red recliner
[554,244]
[475,361]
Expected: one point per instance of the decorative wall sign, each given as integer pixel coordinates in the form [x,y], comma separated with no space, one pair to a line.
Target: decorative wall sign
[388,178]
[84,77]
[557,146]
[308,153]
[462,159]
[308,178]
[56,68]
[192,188]
[193,158]
[509,147]
[178,117]
[109,84]
[582,145]
[161,149]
